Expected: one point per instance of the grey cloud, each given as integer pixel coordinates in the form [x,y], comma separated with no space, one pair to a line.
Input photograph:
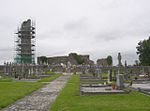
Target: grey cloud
[77,25]
[109,36]
[98,27]
[5,49]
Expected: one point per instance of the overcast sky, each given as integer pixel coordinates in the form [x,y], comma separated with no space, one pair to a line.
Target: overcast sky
[95,27]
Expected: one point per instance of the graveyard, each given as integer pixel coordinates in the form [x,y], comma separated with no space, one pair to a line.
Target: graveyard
[73,82]
[71,100]
[91,91]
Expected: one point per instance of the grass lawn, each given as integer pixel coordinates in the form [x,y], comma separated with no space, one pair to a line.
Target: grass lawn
[70,100]
[51,78]
[12,91]
[5,79]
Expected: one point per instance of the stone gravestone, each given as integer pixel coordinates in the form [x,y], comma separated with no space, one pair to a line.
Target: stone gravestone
[5,68]
[115,74]
[126,77]
[125,64]
[98,72]
[109,75]
[120,83]
[68,68]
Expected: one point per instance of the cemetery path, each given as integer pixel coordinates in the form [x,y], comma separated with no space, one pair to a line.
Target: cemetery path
[42,99]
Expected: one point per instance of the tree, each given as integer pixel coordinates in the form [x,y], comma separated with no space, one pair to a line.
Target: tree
[143,50]
[136,63]
[43,59]
[109,60]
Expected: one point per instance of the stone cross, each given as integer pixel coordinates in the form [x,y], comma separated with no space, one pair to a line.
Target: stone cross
[119,59]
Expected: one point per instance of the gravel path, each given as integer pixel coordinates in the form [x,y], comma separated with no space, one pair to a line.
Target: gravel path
[42,99]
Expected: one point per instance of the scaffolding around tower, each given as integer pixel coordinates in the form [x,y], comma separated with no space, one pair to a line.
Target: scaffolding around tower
[25,43]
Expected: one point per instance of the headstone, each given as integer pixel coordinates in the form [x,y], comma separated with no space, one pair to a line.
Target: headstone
[5,69]
[98,72]
[86,71]
[125,64]
[115,74]
[120,83]
[110,75]
[126,76]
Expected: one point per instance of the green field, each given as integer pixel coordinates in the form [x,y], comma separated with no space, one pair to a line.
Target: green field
[5,79]
[12,91]
[70,100]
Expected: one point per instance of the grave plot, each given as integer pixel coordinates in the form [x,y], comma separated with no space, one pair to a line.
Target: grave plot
[90,85]
[142,85]
[90,80]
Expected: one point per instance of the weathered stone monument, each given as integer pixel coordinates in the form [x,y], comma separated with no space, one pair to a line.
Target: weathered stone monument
[98,72]
[119,59]
[125,63]
[110,75]
[120,83]
[115,73]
